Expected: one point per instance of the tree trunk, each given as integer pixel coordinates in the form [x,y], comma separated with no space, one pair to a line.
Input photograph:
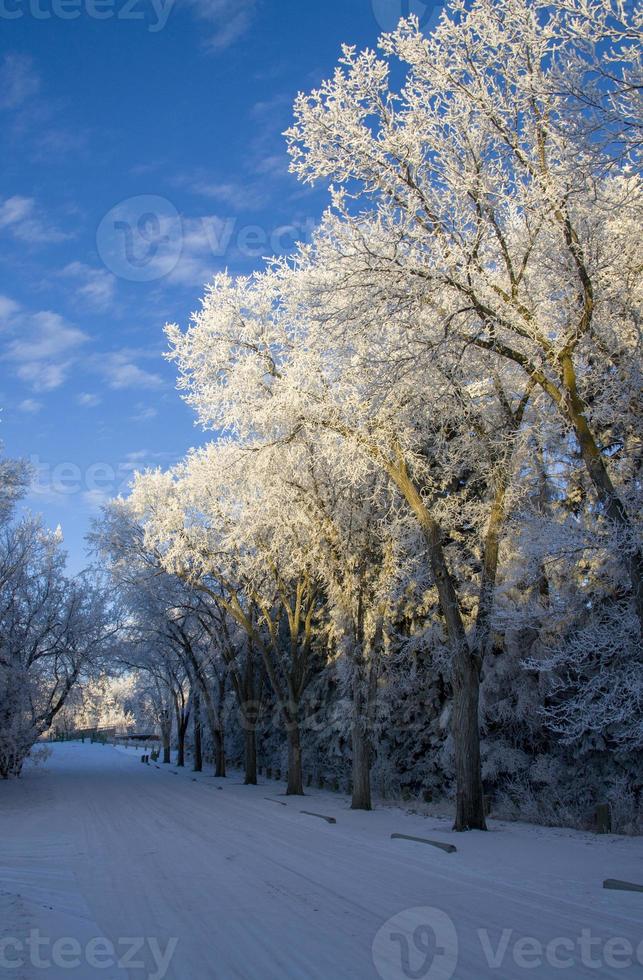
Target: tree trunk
[361,799]
[182,713]
[180,754]
[295,774]
[605,489]
[198,746]
[249,709]
[250,737]
[466,738]
[166,749]
[215,728]
[364,700]
[219,754]
[220,744]
[466,679]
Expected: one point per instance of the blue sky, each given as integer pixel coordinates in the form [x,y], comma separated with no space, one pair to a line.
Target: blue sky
[141,154]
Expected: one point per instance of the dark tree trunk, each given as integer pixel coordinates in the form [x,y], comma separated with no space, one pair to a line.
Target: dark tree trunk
[249,709]
[220,739]
[250,746]
[219,755]
[180,754]
[361,768]
[182,713]
[466,738]
[364,697]
[295,774]
[216,731]
[198,745]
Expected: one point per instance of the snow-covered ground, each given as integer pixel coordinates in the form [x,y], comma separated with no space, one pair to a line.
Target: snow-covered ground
[103,859]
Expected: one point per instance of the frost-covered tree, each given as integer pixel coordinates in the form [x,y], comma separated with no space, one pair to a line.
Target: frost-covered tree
[218,528]
[14,480]
[99,701]
[504,203]
[477,271]
[51,629]
[245,373]
[427,424]
[364,553]
[185,623]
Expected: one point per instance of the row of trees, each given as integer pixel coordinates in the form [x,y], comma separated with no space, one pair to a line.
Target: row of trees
[427,421]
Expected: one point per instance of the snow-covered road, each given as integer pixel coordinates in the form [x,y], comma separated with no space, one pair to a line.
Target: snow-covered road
[97,850]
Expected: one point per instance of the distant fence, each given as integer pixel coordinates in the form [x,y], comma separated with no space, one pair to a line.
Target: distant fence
[136,739]
[103,735]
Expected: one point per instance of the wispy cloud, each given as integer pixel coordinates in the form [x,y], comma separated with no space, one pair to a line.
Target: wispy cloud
[8,307]
[20,217]
[228,20]
[30,406]
[203,242]
[33,120]
[87,399]
[96,287]
[96,499]
[19,80]
[120,370]
[144,413]
[239,196]
[43,347]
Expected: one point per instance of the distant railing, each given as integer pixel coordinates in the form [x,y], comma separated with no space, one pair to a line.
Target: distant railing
[102,734]
[139,738]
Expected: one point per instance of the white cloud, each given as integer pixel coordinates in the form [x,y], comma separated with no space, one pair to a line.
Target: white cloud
[30,406]
[238,196]
[95,499]
[229,20]
[8,307]
[88,400]
[120,371]
[14,209]
[96,286]
[203,240]
[18,80]
[141,459]
[18,215]
[144,413]
[45,349]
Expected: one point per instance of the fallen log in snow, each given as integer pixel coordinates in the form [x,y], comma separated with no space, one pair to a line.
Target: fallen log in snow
[449,848]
